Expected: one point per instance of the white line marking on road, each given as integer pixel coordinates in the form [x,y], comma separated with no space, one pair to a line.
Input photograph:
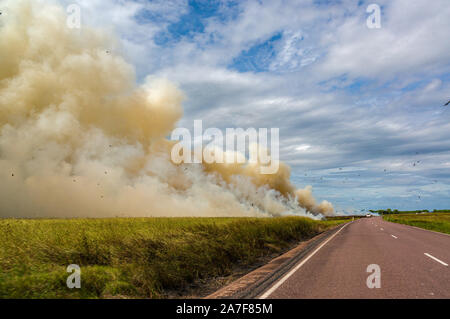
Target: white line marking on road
[439,261]
[394,236]
[290,273]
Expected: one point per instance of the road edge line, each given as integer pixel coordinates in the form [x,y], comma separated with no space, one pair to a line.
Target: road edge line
[424,229]
[433,231]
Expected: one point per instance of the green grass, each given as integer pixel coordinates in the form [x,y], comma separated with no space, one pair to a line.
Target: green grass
[136,257]
[346,217]
[439,222]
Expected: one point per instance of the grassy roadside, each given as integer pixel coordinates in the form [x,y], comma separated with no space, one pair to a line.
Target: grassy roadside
[439,222]
[136,257]
[345,218]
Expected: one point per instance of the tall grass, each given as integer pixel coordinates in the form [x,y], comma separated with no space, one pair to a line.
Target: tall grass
[433,221]
[136,257]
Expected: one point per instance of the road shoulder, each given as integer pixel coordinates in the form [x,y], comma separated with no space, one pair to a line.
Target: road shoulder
[256,282]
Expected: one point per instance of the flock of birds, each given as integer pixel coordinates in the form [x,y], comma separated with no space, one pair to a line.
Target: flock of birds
[414,164]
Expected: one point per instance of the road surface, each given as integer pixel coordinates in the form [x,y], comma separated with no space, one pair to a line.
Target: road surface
[413,263]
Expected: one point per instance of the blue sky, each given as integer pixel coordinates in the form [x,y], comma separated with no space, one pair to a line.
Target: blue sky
[359,110]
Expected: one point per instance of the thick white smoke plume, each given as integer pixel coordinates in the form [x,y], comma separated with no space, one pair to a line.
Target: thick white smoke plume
[79,138]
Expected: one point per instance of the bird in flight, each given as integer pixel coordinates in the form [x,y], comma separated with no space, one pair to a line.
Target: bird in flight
[447,103]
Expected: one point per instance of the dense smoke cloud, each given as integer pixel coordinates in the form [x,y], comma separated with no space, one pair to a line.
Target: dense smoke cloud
[79,137]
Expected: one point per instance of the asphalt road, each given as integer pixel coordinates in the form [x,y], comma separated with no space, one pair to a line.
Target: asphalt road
[413,263]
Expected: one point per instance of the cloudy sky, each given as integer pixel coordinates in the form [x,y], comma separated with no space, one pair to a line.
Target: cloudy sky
[360,110]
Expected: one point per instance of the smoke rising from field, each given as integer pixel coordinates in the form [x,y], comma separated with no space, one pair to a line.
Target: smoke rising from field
[79,137]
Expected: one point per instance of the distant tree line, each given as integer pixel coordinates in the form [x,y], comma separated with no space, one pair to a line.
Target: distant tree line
[396,211]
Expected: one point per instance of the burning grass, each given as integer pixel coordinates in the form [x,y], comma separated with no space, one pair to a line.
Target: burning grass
[433,221]
[137,257]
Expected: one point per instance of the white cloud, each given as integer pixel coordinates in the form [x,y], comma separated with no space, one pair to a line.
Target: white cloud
[413,39]
[303,147]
